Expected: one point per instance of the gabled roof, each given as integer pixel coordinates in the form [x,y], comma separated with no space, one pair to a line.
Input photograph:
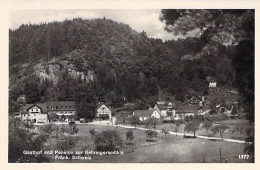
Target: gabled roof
[163,105]
[187,108]
[208,78]
[100,104]
[143,113]
[40,105]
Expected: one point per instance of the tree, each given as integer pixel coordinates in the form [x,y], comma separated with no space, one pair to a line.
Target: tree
[134,120]
[207,125]
[153,122]
[219,129]
[108,140]
[21,139]
[86,100]
[151,134]
[66,144]
[92,132]
[53,116]
[47,129]
[177,123]
[130,135]
[31,89]
[176,129]
[165,131]
[73,129]
[192,126]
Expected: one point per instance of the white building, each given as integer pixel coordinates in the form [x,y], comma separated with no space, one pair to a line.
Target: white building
[34,113]
[103,112]
[146,114]
[165,109]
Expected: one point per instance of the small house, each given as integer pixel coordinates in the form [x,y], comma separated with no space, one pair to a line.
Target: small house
[146,114]
[103,112]
[212,82]
[165,108]
[34,113]
[186,110]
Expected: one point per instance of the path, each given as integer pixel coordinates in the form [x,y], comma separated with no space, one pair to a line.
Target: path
[182,134]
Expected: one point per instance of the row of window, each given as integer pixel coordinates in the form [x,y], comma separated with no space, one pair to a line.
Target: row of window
[59,107]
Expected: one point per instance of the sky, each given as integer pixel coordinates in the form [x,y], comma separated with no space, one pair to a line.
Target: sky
[139,20]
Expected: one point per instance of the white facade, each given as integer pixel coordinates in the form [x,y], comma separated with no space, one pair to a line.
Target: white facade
[212,84]
[169,110]
[35,115]
[104,112]
[155,114]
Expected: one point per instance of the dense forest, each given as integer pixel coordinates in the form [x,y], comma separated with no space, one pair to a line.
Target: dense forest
[127,65]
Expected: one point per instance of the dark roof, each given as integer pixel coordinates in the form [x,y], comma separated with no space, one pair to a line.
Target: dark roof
[163,105]
[143,113]
[40,105]
[208,78]
[187,108]
[100,104]
[61,103]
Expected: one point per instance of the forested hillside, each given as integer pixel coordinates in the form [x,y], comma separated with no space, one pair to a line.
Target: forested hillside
[126,66]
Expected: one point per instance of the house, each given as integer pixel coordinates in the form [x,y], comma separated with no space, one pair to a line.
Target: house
[146,114]
[34,113]
[64,109]
[195,99]
[165,108]
[187,110]
[212,82]
[103,112]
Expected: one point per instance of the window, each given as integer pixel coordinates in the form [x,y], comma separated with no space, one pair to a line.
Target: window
[57,107]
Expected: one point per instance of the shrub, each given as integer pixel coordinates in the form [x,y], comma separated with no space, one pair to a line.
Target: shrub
[92,132]
[130,135]
[150,134]
[108,140]
[192,126]
[165,131]
[219,129]
[66,144]
[152,122]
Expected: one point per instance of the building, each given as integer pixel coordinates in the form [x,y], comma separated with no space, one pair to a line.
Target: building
[146,114]
[64,109]
[34,113]
[165,108]
[187,110]
[103,112]
[212,82]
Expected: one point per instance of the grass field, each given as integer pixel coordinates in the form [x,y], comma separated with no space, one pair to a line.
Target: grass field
[231,123]
[172,149]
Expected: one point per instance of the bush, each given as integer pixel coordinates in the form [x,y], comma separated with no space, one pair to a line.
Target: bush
[108,140]
[92,132]
[150,134]
[130,135]
[165,131]
[152,122]
[219,129]
[66,144]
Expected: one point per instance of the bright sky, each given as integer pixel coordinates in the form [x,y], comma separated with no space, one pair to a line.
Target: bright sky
[139,20]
